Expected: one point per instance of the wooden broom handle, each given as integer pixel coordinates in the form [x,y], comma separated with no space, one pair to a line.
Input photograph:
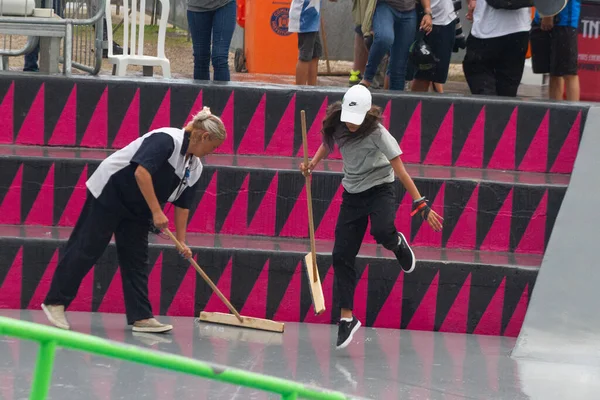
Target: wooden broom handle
[206,278]
[311,225]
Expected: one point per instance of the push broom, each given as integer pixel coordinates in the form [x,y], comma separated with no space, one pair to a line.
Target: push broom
[234,319]
[310,260]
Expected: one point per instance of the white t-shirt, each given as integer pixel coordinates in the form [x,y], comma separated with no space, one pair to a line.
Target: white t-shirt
[489,22]
[304,16]
[443,12]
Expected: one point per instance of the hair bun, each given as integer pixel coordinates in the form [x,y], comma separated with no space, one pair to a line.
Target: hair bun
[203,115]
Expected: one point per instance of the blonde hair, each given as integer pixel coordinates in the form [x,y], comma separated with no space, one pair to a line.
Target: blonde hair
[207,122]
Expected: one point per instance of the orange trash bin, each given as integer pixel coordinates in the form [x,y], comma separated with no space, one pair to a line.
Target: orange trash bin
[269,47]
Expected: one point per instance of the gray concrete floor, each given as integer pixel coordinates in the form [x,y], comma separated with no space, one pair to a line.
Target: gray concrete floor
[379,364]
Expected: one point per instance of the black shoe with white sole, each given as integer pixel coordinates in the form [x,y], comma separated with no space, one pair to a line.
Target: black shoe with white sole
[346,331]
[405,255]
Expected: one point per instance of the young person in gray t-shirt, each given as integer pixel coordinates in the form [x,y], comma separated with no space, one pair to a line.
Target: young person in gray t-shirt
[372,161]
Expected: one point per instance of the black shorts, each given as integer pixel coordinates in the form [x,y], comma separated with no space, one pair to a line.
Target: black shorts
[554,52]
[441,41]
[309,46]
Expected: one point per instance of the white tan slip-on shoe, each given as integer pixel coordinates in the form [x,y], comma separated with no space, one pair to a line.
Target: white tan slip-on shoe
[56,316]
[151,325]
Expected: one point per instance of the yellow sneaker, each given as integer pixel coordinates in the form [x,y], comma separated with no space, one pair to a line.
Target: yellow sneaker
[355,77]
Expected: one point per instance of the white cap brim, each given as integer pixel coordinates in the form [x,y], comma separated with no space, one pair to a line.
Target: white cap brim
[353,118]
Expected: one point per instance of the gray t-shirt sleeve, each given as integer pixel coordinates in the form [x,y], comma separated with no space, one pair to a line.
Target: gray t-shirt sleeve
[386,143]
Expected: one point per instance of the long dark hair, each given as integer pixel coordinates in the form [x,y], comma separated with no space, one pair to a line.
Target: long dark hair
[332,122]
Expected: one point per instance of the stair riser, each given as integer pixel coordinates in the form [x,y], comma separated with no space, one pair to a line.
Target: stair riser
[446,131]
[243,201]
[450,297]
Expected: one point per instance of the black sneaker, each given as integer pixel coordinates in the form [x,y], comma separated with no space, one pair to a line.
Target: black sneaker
[346,330]
[405,255]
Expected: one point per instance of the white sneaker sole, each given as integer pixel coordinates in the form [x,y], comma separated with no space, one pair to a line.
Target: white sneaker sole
[414,260]
[53,321]
[347,341]
[152,329]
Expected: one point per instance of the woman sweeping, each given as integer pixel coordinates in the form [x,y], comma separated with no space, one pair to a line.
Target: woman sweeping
[371,158]
[126,196]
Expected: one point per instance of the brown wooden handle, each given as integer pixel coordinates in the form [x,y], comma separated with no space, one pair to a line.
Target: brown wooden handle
[205,277]
[311,225]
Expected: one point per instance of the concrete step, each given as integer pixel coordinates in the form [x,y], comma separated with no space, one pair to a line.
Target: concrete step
[476,132]
[450,290]
[265,196]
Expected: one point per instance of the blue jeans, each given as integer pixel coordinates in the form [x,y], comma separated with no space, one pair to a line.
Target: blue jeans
[393,31]
[218,24]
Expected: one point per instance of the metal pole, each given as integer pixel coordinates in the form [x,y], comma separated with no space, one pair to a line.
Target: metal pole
[68,49]
[42,376]
[50,337]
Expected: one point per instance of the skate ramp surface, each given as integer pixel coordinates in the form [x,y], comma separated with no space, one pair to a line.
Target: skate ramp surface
[562,322]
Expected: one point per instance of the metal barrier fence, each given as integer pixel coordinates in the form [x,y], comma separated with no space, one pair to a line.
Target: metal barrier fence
[82,32]
[50,338]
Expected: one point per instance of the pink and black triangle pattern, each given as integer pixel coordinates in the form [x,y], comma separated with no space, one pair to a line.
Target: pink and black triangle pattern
[477,164]
[449,131]
[437,297]
[478,216]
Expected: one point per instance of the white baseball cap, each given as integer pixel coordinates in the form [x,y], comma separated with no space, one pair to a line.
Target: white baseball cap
[356,104]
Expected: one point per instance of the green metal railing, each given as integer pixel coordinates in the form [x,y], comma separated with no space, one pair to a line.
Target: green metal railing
[50,338]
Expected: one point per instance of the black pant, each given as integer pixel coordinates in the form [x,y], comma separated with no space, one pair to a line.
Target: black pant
[87,243]
[495,66]
[378,204]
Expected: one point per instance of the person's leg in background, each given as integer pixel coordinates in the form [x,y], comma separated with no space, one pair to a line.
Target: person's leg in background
[313,69]
[200,25]
[479,65]
[349,233]
[409,78]
[31,59]
[383,39]
[131,238]
[511,63]
[441,40]
[93,9]
[572,87]
[223,25]
[308,43]
[563,64]
[405,26]
[87,243]
[361,55]
[411,68]
[541,55]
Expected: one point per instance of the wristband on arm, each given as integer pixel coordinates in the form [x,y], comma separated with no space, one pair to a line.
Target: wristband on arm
[421,206]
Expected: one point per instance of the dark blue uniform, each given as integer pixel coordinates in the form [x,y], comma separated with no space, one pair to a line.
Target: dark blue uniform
[115,205]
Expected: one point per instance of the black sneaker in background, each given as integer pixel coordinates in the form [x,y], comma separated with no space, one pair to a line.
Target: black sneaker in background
[405,255]
[346,331]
